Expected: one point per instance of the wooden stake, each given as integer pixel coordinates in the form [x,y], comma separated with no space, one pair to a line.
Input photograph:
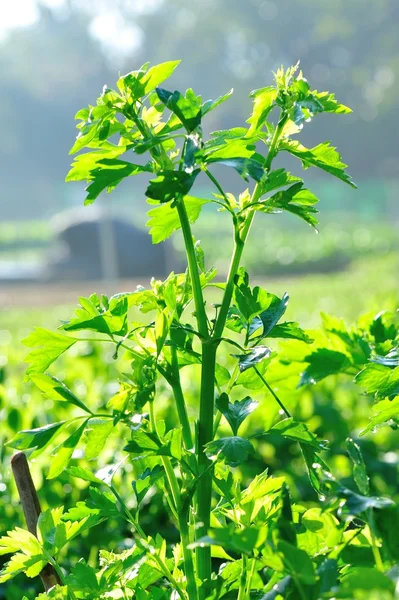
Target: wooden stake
[31,507]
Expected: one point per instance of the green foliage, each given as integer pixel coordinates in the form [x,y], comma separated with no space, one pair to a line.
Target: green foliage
[235,413]
[210,485]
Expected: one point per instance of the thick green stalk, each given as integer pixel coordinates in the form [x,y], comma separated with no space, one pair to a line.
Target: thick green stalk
[182,516]
[209,349]
[205,421]
[184,531]
[205,435]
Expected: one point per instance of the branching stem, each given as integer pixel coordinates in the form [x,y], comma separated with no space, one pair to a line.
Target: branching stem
[273,393]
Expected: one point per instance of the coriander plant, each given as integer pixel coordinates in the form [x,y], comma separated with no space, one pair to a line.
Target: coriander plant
[237,539]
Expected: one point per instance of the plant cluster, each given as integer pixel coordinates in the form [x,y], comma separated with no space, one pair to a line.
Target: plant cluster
[238,539]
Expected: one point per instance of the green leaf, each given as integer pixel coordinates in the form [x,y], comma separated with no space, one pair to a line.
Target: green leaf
[297,562]
[30,560]
[83,579]
[236,322]
[93,316]
[251,359]
[277,179]
[356,504]
[233,450]
[140,83]
[359,468]
[63,453]
[383,327]
[264,101]
[84,164]
[318,471]
[250,379]
[212,104]
[143,442]
[96,434]
[19,539]
[54,389]
[187,108]
[329,103]
[328,575]
[55,593]
[229,144]
[51,530]
[99,505]
[379,380]
[222,375]
[241,541]
[324,156]
[161,328]
[387,522]
[290,330]
[299,432]
[47,347]
[295,200]
[170,185]
[322,363]
[246,167]
[103,171]
[383,412]
[134,395]
[146,480]
[273,313]
[146,443]
[285,522]
[20,563]
[82,473]
[364,578]
[36,438]
[235,413]
[251,302]
[91,132]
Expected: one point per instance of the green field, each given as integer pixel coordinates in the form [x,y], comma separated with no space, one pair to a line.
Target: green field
[368,286]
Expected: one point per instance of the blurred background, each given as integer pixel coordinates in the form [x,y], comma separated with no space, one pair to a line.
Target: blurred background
[55,57]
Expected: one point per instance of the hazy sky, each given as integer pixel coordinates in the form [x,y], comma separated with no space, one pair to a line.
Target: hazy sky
[107,23]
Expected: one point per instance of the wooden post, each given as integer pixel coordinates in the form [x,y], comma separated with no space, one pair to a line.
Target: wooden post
[31,507]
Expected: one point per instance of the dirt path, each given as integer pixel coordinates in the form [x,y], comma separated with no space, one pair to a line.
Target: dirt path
[31,295]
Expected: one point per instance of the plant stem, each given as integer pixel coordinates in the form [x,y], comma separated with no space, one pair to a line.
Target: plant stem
[228,292]
[209,349]
[273,393]
[180,401]
[273,145]
[299,587]
[243,234]
[216,184]
[243,579]
[374,544]
[205,423]
[193,269]
[182,516]
[250,577]
[205,435]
